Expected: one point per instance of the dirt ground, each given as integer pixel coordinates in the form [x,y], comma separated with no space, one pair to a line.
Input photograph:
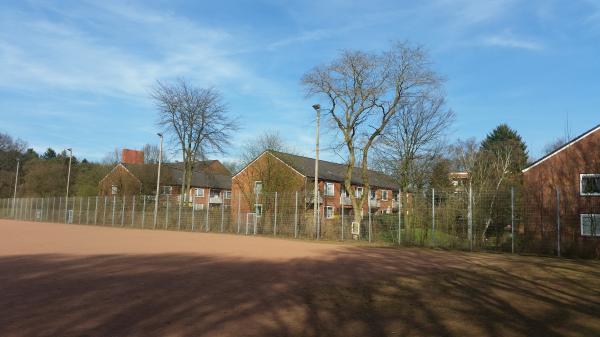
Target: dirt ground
[72,280]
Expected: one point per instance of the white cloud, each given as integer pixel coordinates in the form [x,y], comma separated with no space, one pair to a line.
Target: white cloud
[508,40]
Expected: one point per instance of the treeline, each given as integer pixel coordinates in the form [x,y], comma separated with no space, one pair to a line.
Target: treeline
[42,175]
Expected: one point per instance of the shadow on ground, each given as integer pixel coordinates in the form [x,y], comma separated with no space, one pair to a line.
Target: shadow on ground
[356,292]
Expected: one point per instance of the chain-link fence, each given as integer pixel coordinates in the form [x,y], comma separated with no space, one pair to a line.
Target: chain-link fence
[552,222]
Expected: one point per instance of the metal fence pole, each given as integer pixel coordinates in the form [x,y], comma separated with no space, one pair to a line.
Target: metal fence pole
[275,224]
[512,219]
[104,211]
[399,217]
[59,208]
[167,213]
[342,214]
[369,212]
[80,208]
[53,208]
[133,211]
[558,221]
[123,211]
[143,211]
[433,216]
[222,211]
[238,212]
[193,213]
[179,211]
[87,212]
[96,212]
[296,216]
[470,217]
[113,210]
[207,209]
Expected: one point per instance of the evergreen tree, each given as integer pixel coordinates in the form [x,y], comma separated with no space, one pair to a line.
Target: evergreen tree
[503,135]
[49,154]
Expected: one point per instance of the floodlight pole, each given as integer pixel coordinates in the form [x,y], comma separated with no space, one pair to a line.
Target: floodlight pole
[317,108]
[158,178]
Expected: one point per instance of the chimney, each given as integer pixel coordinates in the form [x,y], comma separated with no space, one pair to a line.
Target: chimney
[132,156]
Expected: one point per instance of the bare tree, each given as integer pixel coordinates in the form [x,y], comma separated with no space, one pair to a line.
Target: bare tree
[363,92]
[152,153]
[554,145]
[113,157]
[268,140]
[196,119]
[413,138]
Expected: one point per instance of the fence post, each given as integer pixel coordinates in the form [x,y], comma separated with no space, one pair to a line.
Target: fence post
[167,213]
[104,210]
[80,208]
[123,211]
[179,211]
[238,213]
[342,213]
[222,211]
[53,207]
[207,210]
[369,211]
[133,211]
[470,217]
[296,216]
[59,209]
[113,210]
[399,217]
[87,212]
[143,210]
[275,225]
[512,219]
[193,212]
[433,216]
[96,212]
[558,221]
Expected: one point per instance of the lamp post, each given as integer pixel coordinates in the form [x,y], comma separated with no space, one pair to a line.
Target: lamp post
[317,108]
[68,182]
[15,193]
[158,178]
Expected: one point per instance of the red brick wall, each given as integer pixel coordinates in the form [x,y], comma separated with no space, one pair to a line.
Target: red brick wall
[132,156]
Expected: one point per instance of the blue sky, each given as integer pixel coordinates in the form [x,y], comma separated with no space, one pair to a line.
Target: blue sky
[77,74]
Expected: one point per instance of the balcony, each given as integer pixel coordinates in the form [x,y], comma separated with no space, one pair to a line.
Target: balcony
[215,199]
[373,203]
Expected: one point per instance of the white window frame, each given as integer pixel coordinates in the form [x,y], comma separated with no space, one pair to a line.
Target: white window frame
[327,185]
[587,175]
[597,234]
[330,215]
[343,193]
[227,194]
[373,194]
[384,195]
[114,189]
[170,188]
[198,207]
[256,207]
[261,186]
[201,195]
[357,193]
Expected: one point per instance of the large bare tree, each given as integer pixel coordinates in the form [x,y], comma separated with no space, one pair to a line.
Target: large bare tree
[413,139]
[197,120]
[363,92]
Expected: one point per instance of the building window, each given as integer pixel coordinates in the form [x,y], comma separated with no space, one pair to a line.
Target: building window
[227,194]
[329,212]
[114,189]
[589,184]
[590,224]
[358,192]
[199,192]
[384,195]
[372,194]
[198,207]
[329,189]
[344,193]
[258,209]
[167,189]
[258,187]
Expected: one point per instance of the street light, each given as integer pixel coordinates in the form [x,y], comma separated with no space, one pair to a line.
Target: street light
[68,181]
[317,108]
[158,178]
[15,193]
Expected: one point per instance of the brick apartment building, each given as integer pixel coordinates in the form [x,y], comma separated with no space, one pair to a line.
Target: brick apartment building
[211,180]
[574,171]
[286,173]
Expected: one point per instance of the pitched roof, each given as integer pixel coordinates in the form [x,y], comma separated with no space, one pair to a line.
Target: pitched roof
[205,175]
[333,171]
[564,147]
